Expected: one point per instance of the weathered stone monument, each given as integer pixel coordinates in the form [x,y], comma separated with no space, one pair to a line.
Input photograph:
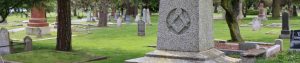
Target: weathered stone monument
[256,24]
[285,32]
[27,43]
[279,42]
[4,42]
[119,22]
[141,28]
[295,40]
[262,13]
[146,16]
[185,34]
[38,21]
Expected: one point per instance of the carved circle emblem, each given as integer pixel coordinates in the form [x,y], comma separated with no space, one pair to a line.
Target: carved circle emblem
[178,21]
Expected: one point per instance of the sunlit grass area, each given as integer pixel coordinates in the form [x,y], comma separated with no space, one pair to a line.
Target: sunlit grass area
[120,44]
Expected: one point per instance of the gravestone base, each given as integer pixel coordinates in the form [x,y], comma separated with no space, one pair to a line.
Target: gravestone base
[161,56]
[284,36]
[35,30]
[294,50]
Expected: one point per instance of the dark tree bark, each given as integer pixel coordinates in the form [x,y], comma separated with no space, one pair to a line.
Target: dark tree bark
[4,14]
[295,13]
[135,12]
[103,18]
[232,11]
[276,9]
[64,32]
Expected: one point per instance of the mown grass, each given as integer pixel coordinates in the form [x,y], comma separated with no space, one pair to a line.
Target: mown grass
[120,44]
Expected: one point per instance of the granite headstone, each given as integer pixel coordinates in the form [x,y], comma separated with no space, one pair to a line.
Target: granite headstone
[185,34]
[295,40]
[141,28]
[285,32]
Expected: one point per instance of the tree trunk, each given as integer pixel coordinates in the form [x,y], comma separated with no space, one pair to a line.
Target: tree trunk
[74,12]
[276,9]
[234,29]
[245,12]
[295,13]
[103,18]
[4,14]
[232,8]
[64,32]
[3,19]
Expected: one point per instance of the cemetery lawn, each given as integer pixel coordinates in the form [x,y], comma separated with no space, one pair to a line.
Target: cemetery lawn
[120,44]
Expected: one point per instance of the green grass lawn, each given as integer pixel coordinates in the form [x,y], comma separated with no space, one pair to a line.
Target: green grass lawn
[16,19]
[120,44]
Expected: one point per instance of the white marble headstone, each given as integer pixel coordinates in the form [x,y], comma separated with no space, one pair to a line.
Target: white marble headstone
[4,42]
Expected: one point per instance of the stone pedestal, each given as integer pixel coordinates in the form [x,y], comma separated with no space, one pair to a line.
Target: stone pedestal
[37,23]
[285,34]
[185,34]
[161,56]
[37,30]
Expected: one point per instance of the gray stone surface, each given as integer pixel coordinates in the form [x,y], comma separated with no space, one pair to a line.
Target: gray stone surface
[272,51]
[209,56]
[285,32]
[141,28]
[184,25]
[279,42]
[294,50]
[4,42]
[275,25]
[36,31]
[248,59]
[27,43]
[185,34]
[247,46]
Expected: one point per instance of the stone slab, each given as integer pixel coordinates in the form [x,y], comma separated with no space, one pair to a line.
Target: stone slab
[247,46]
[272,51]
[209,56]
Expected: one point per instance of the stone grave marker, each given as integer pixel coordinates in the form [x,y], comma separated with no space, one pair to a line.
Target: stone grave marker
[119,22]
[27,43]
[4,42]
[295,40]
[127,19]
[146,16]
[256,24]
[185,34]
[279,42]
[141,28]
[285,32]
[262,13]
